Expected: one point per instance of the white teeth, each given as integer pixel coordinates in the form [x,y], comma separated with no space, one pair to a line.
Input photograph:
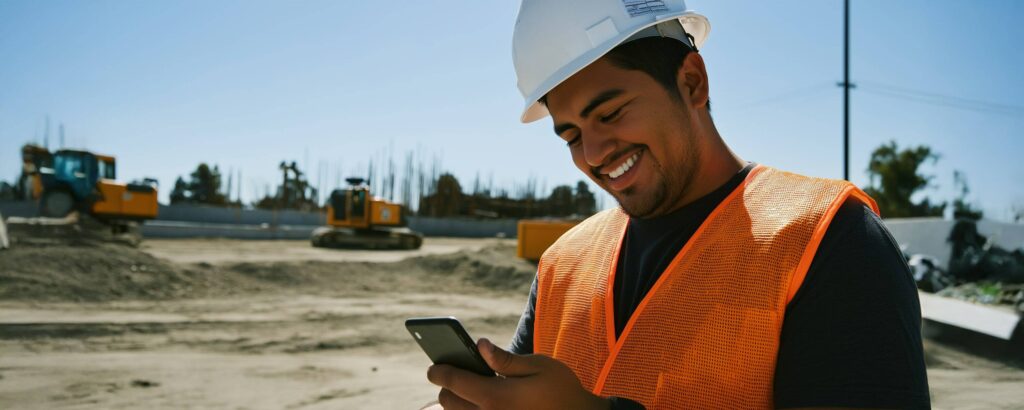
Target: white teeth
[617,172]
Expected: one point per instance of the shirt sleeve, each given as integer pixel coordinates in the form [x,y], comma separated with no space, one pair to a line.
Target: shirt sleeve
[522,340]
[851,336]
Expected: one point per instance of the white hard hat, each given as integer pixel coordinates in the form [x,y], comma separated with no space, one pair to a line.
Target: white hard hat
[555,39]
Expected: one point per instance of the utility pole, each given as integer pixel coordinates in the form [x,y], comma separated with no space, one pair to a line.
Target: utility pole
[231,176]
[46,134]
[846,89]
[239,188]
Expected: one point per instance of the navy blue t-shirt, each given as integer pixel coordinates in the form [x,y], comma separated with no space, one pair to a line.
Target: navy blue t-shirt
[851,336]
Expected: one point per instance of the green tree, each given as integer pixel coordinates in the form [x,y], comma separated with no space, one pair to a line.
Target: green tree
[447,200]
[895,178]
[205,185]
[202,188]
[961,208]
[180,193]
[586,203]
[561,201]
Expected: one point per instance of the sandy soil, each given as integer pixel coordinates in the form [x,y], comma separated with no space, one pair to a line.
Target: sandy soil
[218,251]
[276,325]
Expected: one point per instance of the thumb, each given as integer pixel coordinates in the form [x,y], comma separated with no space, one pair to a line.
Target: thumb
[504,362]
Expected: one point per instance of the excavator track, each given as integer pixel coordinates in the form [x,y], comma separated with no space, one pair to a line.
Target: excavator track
[379,238]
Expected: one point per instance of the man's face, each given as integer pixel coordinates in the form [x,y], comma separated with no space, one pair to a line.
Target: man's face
[629,135]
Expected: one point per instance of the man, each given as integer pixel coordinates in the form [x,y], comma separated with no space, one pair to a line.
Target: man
[717,283]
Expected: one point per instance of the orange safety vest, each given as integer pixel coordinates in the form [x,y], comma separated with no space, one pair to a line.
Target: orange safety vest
[707,333]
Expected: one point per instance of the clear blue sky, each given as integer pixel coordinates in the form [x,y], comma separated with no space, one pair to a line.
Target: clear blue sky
[164,85]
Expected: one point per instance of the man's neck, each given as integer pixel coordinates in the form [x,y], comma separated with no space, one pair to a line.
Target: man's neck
[717,165]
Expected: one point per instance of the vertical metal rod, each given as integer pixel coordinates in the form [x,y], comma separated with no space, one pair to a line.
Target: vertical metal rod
[846,90]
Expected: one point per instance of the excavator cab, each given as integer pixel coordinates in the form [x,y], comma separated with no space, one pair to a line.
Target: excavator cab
[71,180]
[81,171]
[348,207]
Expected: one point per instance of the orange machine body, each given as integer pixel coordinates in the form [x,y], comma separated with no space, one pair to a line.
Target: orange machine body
[534,236]
[125,201]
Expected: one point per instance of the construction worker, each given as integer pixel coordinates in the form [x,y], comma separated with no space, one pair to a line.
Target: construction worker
[717,282]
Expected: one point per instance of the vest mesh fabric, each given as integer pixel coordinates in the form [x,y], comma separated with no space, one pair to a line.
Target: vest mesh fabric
[580,259]
[707,333]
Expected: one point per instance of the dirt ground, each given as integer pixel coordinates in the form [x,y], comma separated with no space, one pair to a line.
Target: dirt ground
[225,324]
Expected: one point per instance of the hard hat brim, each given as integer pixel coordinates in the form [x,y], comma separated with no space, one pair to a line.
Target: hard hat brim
[695,25]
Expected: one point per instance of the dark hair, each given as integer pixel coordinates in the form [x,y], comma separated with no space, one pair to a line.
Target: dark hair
[658,57]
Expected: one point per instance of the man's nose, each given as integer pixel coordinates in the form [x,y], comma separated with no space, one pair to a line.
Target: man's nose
[598,144]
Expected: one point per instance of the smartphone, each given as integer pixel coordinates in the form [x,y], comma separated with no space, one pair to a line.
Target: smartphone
[446,342]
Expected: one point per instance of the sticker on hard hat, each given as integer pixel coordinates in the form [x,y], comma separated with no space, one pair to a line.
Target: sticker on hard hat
[641,7]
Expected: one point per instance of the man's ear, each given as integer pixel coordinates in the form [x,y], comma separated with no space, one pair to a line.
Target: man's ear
[692,80]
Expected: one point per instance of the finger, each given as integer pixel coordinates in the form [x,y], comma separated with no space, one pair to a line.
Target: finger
[451,401]
[504,362]
[467,385]
[439,374]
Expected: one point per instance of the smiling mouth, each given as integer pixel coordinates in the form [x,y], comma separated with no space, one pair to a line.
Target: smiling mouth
[624,167]
[617,172]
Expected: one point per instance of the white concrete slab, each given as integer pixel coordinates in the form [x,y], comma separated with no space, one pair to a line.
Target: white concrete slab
[990,320]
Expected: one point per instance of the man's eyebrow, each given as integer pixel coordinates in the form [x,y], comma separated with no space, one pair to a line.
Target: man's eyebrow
[563,127]
[594,103]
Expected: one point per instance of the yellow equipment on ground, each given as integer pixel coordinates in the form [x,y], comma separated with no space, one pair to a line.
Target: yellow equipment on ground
[69,180]
[356,219]
[536,235]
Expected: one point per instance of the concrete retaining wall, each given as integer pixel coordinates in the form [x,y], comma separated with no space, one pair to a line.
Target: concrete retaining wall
[917,235]
[235,216]
[190,221]
[928,235]
[466,228]
[180,229]
[427,226]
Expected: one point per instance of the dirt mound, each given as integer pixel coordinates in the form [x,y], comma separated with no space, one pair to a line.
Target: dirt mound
[89,272]
[97,271]
[491,269]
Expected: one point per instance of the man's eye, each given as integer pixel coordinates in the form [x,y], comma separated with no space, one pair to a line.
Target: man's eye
[573,141]
[612,116]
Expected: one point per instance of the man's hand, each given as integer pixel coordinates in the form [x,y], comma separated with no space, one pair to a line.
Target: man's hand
[526,382]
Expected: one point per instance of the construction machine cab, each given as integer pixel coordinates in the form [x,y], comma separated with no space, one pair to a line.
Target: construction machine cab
[348,207]
[74,171]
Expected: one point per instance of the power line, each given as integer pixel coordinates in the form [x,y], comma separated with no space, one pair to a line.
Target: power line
[941,99]
[793,94]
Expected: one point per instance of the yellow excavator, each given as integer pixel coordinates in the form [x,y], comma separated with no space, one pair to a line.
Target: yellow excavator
[357,219]
[69,180]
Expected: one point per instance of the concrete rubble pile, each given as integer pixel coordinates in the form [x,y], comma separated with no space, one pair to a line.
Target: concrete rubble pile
[978,270]
[4,241]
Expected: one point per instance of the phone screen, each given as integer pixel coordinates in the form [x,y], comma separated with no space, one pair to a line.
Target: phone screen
[445,341]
